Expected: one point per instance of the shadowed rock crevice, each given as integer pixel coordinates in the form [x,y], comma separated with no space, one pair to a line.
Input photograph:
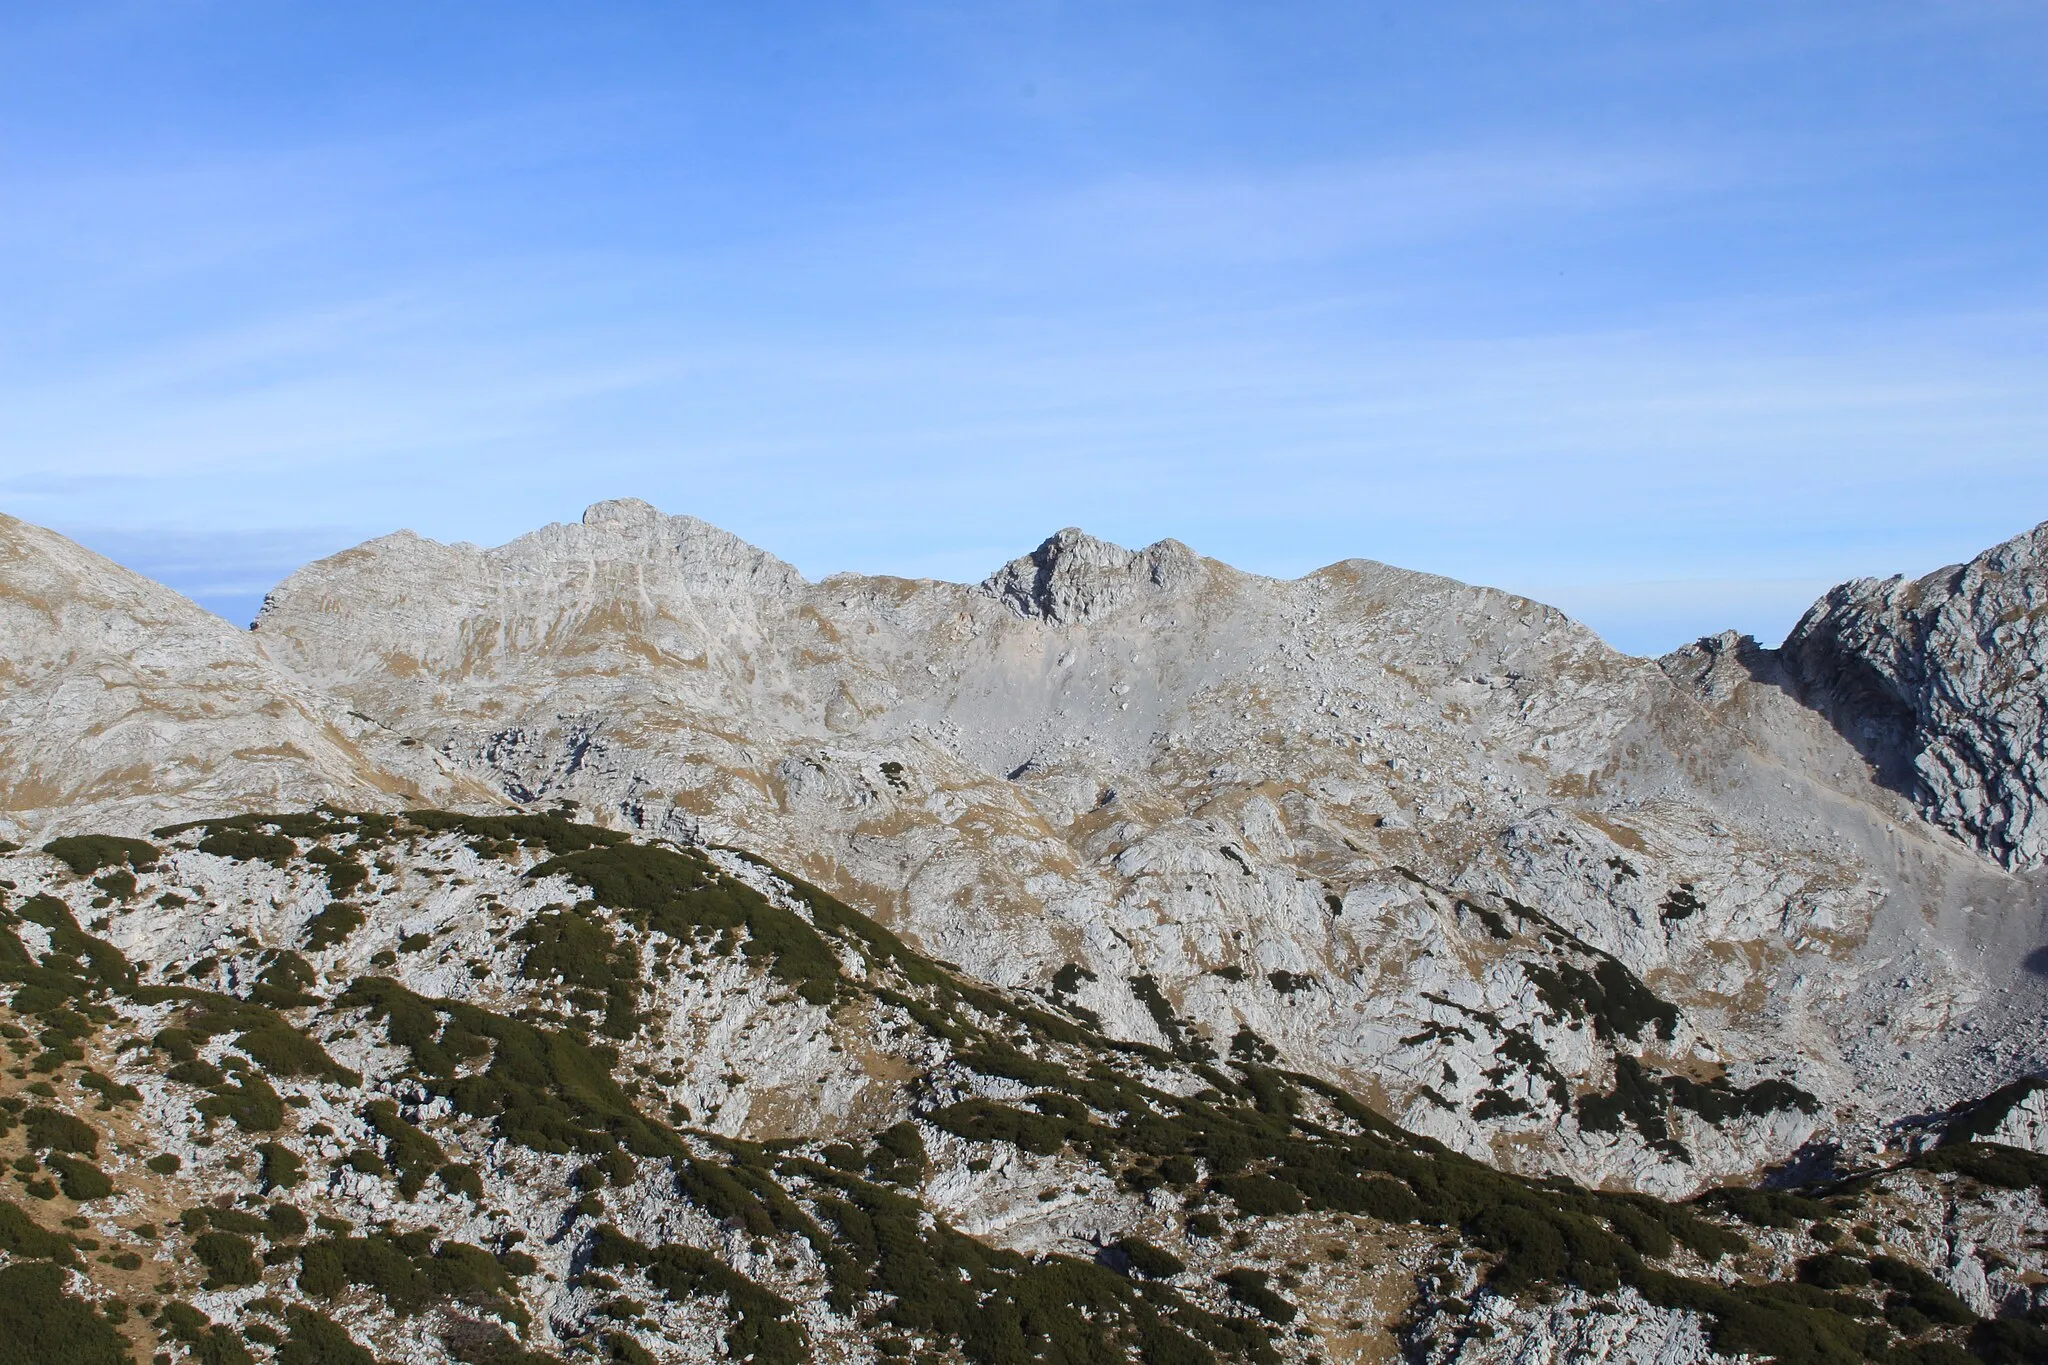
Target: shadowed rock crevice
[1939,680]
[1073,577]
[1397,827]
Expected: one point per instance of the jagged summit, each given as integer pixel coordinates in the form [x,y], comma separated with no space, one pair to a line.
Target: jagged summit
[1073,577]
[1940,680]
[1432,854]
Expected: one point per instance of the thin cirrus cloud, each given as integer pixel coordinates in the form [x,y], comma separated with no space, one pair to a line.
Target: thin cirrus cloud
[1308,213]
[1679,309]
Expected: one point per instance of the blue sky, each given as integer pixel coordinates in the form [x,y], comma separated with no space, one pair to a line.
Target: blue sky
[1669,313]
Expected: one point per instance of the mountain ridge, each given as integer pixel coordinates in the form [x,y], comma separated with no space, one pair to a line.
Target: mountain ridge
[1429,851]
[1151,765]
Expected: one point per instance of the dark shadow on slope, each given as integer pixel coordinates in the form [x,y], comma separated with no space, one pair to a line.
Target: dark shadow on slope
[1857,701]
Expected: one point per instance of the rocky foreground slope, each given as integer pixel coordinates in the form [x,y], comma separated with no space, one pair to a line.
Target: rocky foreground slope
[1336,937]
[1254,803]
[503,1091]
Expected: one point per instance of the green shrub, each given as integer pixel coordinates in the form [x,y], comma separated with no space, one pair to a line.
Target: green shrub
[553,833]
[987,1121]
[21,1235]
[577,950]
[541,1089]
[681,894]
[282,1168]
[1767,1208]
[88,853]
[39,1322]
[899,1156]
[1259,1195]
[1250,1288]
[763,1325]
[283,1221]
[406,1269]
[1922,1292]
[2009,1341]
[345,872]
[458,1178]
[52,1130]
[286,983]
[1833,1271]
[249,845]
[2009,1168]
[1179,1040]
[1610,997]
[413,1154]
[229,1259]
[109,1091]
[209,1344]
[80,1180]
[1148,1260]
[333,925]
[250,1104]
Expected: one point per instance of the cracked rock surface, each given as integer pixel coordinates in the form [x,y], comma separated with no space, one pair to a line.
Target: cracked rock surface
[1940,678]
[1653,923]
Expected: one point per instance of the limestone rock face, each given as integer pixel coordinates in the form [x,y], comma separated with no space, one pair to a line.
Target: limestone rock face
[1434,841]
[123,704]
[1940,680]
[1074,577]
[1626,1331]
[1654,924]
[445,1088]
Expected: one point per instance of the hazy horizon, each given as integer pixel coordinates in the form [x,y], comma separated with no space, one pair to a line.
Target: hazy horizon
[1645,619]
[1672,315]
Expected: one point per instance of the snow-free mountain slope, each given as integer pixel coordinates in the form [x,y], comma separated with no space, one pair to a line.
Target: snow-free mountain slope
[1192,967]
[126,704]
[538,1094]
[1940,680]
[1164,789]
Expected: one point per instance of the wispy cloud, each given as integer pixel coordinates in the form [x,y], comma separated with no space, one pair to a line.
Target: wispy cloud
[1527,295]
[1313,212]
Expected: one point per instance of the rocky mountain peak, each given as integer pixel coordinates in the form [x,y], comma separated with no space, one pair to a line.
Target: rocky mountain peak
[1073,577]
[629,531]
[124,696]
[1214,953]
[1938,680]
[623,512]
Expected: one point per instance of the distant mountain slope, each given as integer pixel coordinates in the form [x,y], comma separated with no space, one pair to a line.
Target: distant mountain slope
[1941,681]
[125,704]
[1396,825]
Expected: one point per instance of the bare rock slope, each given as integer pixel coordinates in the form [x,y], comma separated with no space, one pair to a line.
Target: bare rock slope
[1940,680]
[1171,965]
[1648,922]
[124,704]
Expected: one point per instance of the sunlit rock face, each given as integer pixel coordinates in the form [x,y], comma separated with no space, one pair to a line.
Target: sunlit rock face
[1147,933]
[125,704]
[1941,679]
[1389,822]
